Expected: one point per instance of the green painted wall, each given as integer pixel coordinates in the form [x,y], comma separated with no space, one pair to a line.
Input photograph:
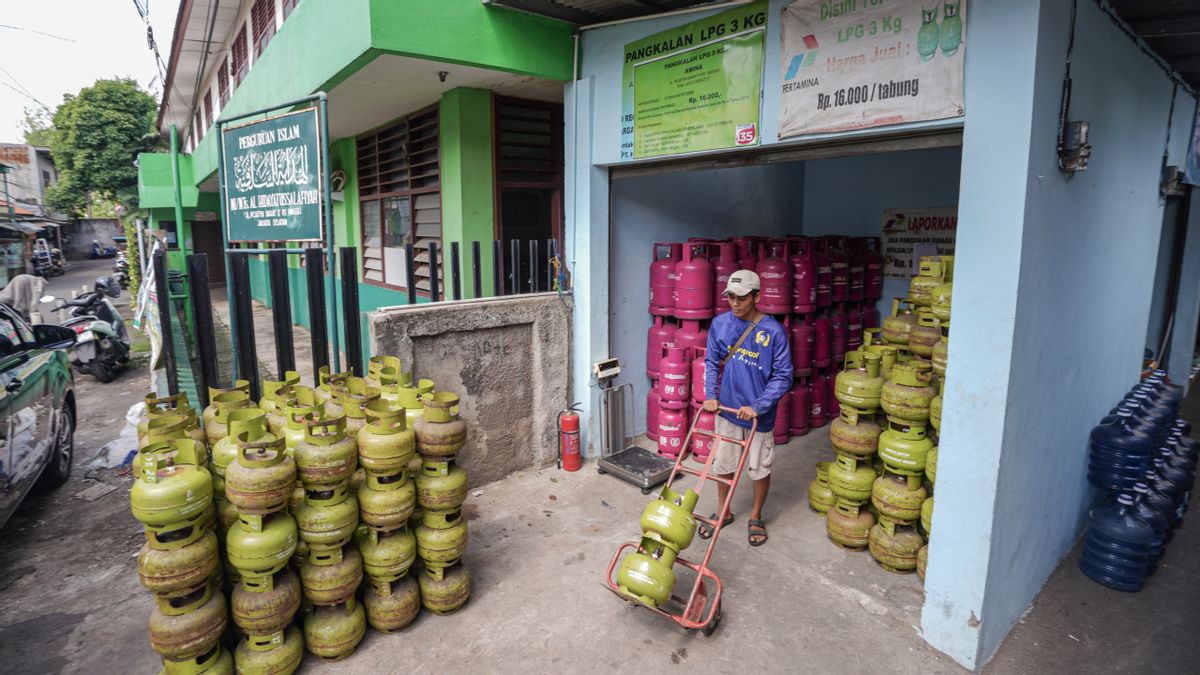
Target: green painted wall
[156,187]
[471,33]
[468,196]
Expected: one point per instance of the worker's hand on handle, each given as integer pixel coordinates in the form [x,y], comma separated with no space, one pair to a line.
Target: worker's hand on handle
[746,413]
[711,405]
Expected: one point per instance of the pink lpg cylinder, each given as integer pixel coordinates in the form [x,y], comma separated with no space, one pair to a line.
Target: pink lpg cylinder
[701,444]
[698,376]
[821,342]
[854,328]
[870,315]
[832,408]
[872,268]
[837,332]
[653,402]
[691,335]
[804,277]
[816,400]
[798,419]
[725,264]
[747,252]
[694,284]
[783,415]
[839,269]
[775,277]
[661,332]
[674,379]
[663,277]
[672,430]
[824,272]
[801,339]
[858,262]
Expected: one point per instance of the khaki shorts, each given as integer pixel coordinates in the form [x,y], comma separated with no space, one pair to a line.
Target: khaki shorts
[762,451]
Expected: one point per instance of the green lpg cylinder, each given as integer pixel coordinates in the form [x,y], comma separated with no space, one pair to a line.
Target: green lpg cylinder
[262,478]
[223,405]
[327,456]
[904,448]
[441,538]
[171,502]
[895,547]
[275,395]
[168,427]
[849,525]
[860,384]
[441,485]
[940,306]
[820,495]
[332,633]
[180,569]
[174,451]
[925,335]
[300,406]
[931,465]
[854,433]
[410,399]
[385,444]
[157,406]
[927,35]
[328,382]
[354,399]
[261,546]
[327,519]
[908,395]
[646,575]
[940,352]
[392,606]
[851,479]
[445,590]
[188,626]
[249,421]
[935,407]
[894,499]
[922,561]
[669,519]
[950,32]
[215,661]
[929,276]
[926,515]
[387,502]
[280,655]
[240,386]
[327,583]
[268,612]
[387,556]
[440,431]
[897,326]
[383,367]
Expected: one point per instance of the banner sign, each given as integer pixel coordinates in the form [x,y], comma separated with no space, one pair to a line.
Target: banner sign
[909,234]
[854,64]
[696,87]
[272,186]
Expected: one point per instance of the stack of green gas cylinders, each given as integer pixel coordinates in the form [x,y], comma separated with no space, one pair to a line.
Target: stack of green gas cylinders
[387,499]
[877,492]
[172,496]
[441,490]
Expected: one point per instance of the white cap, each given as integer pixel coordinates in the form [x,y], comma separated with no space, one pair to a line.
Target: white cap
[742,282]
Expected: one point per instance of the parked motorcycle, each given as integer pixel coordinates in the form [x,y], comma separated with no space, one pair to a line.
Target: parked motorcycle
[103,251]
[103,342]
[121,270]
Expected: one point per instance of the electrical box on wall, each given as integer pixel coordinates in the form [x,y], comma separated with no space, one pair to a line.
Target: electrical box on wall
[1073,148]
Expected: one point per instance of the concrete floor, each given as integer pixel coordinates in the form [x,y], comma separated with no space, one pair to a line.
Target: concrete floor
[540,542]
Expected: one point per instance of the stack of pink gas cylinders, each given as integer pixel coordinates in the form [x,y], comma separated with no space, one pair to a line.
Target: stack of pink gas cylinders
[822,289]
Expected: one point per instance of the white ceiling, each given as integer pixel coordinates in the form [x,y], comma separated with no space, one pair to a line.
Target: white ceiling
[393,86]
[223,16]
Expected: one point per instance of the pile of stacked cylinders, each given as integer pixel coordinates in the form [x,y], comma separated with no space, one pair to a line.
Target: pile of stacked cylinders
[441,487]
[822,290]
[180,562]
[878,493]
[1143,459]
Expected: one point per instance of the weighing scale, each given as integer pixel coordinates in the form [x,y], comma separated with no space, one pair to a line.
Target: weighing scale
[618,455]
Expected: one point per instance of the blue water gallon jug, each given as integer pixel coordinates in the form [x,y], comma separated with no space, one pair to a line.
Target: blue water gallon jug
[1183,426]
[1119,452]
[1116,551]
[1145,509]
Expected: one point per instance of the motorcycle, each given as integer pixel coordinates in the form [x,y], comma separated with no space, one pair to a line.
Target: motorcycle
[103,342]
[121,270]
[105,252]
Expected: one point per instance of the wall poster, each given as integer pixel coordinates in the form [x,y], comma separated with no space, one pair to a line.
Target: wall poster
[696,87]
[854,64]
[909,234]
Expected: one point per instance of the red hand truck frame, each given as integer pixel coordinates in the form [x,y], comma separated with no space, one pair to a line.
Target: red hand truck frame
[692,614]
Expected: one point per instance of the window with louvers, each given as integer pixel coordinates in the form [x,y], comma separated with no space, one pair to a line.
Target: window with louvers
[208,109]
[399,187]
[288,6]
[239,61]
[262,19]
[223,82]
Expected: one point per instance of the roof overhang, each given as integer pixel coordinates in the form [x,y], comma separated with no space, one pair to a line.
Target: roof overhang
[1171,28]
[201,28]
[586,12]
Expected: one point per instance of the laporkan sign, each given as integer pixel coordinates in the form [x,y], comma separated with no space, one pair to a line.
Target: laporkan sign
[909,234]
[273,175]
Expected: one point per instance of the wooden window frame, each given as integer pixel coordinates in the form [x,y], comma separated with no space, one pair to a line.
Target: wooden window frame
[379,192]
[208,109]
[288,6]
[223,82]
[262,25]
[239,57]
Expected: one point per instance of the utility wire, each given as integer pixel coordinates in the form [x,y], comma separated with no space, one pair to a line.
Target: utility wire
[31,30]
[25,91]
[5,84]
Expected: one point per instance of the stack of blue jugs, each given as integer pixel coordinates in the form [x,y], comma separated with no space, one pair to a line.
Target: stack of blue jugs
[1142,456]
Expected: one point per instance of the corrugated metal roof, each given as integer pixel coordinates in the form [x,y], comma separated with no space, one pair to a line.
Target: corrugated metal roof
[1171,28]
[586,12]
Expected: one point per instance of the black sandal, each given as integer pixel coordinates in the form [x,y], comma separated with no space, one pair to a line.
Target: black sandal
[706,530]
[760,532]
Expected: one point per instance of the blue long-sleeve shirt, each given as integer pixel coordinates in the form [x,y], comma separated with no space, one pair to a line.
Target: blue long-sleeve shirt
[758,375]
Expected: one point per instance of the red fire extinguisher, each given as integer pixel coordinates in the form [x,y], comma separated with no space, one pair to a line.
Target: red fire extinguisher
[569,456]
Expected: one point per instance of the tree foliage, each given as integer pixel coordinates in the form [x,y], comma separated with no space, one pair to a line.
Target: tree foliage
[38,127]
[98,133]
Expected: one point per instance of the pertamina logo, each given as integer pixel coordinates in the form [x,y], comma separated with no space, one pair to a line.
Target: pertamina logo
[803,59]
[747,134]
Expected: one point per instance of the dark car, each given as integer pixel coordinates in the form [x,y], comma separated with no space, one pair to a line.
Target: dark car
[37,408]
